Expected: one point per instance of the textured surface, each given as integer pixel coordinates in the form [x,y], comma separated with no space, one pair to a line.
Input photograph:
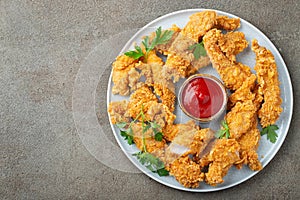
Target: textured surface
[42,46]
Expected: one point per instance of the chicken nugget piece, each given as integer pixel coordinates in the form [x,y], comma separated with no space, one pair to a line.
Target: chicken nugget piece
[186,172]
[267,77]
[198,24]
[140,99]
[146,138]
[232,43]
[226,23]
[118,111]
[232,73]
[241,118]
[122,62]
[223,155]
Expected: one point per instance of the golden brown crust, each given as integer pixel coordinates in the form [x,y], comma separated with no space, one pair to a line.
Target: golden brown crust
[267,77]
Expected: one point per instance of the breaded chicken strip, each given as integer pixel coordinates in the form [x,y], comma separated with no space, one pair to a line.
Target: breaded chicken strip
[233,74]
[223,155]
[166,95]
[267,77]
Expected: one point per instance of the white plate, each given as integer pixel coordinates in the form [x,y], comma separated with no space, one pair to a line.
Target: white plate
[266,150]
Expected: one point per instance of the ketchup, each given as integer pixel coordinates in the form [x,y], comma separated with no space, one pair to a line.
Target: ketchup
[202,97]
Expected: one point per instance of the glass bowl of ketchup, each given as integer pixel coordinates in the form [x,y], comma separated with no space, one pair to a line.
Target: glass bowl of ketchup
[202,97]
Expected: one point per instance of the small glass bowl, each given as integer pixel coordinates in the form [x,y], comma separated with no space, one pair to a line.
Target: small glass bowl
[218,84]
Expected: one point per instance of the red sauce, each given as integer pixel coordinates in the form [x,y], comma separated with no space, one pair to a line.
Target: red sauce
[202,97]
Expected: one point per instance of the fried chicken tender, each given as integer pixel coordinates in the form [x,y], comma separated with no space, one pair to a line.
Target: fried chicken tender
[150,142]
[141,99]
[118,111]
[226,23]
[186,172]
[232,73]
[267,77]
[124,75]
[223,155]
[198,24]
[241,118]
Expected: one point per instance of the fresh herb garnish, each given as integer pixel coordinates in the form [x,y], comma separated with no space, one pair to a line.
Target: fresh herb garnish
[198,50]
[224,131]
[127,132]
[161,37]
[270,131]
[152,163]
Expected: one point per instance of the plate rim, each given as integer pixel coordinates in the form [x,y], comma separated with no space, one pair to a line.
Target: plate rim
[278,145]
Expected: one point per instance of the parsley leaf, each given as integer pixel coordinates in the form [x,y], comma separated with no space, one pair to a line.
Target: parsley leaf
[198,50]
[135,54]
[270,131]
[128,135]
[152,163]
[158,136]
[161,37]
[224,131]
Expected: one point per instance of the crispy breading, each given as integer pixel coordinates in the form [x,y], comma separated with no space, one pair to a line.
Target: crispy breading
[232,73]
[226,23]
[146,138]
[153,58]
[183,136]
[177,63]
[249,143]
[223,155]
[186,172]
[241,118]
[166,95]
[141,98]
[155,74]
[198,24]
[244,93]
[124,75]
[159,113]
[122,62]
[118,111]
[267,77]
[232,43]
